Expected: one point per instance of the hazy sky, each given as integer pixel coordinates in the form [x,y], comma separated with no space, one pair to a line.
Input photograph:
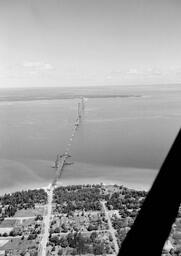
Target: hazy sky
[89,42]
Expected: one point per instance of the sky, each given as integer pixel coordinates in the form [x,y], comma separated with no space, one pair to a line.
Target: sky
[89,42]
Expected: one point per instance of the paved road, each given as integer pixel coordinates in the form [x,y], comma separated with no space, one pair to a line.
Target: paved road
[47,220]
[111,229]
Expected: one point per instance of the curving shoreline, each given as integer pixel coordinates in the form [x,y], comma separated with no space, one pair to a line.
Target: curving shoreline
[138,187]
[84,173]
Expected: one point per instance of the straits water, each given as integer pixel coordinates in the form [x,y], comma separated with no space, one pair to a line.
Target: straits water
[121,139]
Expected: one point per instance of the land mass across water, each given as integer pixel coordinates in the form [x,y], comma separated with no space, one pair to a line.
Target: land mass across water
[54,93]
[65,96]
[30,94]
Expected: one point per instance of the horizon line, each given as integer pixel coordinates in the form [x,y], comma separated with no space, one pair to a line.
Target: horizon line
[89,86]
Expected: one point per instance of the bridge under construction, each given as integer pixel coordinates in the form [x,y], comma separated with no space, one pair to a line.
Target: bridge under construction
[61,160]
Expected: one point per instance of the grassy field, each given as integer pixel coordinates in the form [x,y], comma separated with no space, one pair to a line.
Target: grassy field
[28,222]
[8,223]
[3,242]
[18,244]
[30,212]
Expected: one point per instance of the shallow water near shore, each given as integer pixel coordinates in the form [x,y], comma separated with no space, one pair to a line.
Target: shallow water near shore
[121,140]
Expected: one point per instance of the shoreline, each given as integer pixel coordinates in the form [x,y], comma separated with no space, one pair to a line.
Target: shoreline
[135,186]
[84,173]
[79,173]
[69,182]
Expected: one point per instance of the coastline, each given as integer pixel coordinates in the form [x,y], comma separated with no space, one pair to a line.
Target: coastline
[67,182]
[84,173]
[18,188]
[135,178]
[138,187]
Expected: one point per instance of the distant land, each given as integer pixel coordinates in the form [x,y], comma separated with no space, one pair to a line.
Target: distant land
[59,97]
[31,94]
[56,93]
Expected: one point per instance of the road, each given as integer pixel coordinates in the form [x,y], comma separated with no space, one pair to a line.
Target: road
[47,219]
[111,229]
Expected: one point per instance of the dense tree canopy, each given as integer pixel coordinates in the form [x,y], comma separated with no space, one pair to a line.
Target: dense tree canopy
[10,203]
[78,197]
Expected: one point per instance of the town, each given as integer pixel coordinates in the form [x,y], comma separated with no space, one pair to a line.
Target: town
[84,219]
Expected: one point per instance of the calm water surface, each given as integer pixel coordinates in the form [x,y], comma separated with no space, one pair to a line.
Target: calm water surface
[120,139]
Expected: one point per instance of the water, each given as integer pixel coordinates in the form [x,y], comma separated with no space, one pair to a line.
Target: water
[121,140]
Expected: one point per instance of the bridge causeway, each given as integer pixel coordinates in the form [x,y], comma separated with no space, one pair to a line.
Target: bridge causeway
[59,165]
[61,159]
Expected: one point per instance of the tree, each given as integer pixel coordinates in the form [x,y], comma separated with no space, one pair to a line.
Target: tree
[64,228]
[57,230]
[91,227]
[110,238]
[80,244]
[71,240]
[74,252]
[60,252]
[63,242]
[98,249]
[55,240]
[93,236]
[32,236]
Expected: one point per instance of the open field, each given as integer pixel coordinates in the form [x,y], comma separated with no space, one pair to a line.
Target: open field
[27,222]
[18,244]
[3,242]
[8,223]
[29,212]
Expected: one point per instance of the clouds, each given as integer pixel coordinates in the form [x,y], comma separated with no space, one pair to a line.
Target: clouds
[27,74]
[89,42]
[37,66]
[144,75]
[133,71]
[136,72]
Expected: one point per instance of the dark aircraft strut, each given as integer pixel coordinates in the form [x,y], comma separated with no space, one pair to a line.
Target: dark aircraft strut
[160,208]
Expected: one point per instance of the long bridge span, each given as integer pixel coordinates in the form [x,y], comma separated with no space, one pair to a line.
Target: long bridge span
[61,159]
